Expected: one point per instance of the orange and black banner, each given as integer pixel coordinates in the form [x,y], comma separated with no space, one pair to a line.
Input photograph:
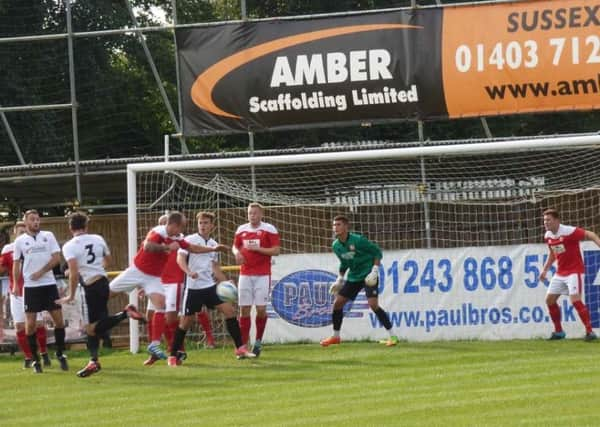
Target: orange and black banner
[409,64]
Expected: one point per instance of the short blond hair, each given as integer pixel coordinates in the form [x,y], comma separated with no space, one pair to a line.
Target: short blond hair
[206,214]
[256,205]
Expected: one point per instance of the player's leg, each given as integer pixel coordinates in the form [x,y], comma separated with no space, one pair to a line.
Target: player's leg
[348,292]
[41,333]
[18,315]
[382,316]
[171,318]
[231,323]
[32,306]
[245,301]
[55,311]
[262,285]
[557,287]
[191,303]
[575,284]
[204,320]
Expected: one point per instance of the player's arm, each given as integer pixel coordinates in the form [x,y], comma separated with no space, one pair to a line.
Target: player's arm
[16,274]
[590,235]
[73,281]
[273,251]
[54,261]
[237,253]
[150,246]
[217,272]
[548,264]
[199,249]
[183,264]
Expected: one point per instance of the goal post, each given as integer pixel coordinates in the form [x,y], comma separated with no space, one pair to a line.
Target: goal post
[475,193]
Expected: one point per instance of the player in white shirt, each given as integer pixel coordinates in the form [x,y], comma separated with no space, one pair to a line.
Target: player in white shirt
[201,270]
[87,256]
[36,253]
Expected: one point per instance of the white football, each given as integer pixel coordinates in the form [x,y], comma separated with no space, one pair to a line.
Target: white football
[227,292]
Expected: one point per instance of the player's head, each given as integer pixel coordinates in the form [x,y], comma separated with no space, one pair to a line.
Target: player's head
[163,219]
[341,223]
[175,223]
[255,213]
[551,220]
[206,222]
[19,228]
[78,221]
[32,220]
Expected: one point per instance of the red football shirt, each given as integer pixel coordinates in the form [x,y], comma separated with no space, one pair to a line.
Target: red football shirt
[172,273]
[6,260]
[565,246]
[152,263]
[263,236]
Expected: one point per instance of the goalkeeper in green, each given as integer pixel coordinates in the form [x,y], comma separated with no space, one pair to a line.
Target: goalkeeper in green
[360,258]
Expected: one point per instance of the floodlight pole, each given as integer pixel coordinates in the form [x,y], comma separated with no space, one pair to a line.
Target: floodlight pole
[250,134]
[73,101]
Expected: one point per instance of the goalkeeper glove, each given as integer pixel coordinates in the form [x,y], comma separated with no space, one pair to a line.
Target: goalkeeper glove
[373,277]
[337,285]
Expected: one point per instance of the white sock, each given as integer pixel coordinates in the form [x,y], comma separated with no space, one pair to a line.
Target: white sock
[336,334]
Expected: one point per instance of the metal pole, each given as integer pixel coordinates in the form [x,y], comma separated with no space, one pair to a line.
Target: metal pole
[486,128]
[134,333]
[159,83]
[424,190]
[73,102]
[35,108]
[184,147]
[12,138]
[250,134]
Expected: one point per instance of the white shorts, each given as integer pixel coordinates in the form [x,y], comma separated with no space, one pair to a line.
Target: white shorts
[131,278]
[4,286]
[253,290]
[17,310]
[172,296]
[566,285]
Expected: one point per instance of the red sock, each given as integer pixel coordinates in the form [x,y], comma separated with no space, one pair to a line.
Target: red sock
[584,315]
[149,327]
[261,323]
[245,323]
[204,320]
[40,334]
[554,310]
[23,344]
[158,325]
[170,333]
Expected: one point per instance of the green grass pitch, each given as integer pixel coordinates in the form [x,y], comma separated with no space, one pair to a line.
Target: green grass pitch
[478,383]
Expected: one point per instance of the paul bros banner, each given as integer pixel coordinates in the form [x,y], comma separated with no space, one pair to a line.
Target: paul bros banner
[439,294]
[407,64]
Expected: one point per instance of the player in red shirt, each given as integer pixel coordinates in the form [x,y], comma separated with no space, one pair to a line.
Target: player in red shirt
[254,244]
[563,243]
[148,266]
[16,305]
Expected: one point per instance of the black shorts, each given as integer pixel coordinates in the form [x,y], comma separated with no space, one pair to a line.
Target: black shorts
[41,298]
[194,299]
[351,289]
[95,301]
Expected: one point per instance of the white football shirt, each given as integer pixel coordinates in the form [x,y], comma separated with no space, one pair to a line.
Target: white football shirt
[200,263]
[89,251]
[35,252]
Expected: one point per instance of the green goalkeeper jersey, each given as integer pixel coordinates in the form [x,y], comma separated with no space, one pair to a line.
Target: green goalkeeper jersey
[356,254]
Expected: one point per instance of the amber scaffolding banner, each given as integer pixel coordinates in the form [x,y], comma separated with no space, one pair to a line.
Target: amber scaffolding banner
[390,65]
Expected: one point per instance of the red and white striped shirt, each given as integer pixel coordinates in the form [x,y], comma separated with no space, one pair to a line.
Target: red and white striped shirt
[565,246]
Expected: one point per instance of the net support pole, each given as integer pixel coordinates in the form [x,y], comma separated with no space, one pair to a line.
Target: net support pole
[73,102]
[12,138]
[134,332]
[424,190]
[184,147]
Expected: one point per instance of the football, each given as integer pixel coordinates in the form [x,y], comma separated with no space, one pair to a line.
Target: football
[227,292]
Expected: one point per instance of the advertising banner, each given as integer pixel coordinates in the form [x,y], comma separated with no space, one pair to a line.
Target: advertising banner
[390,65]
[487,293]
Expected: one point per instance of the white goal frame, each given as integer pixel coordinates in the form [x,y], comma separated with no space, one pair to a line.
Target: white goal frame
[532,144]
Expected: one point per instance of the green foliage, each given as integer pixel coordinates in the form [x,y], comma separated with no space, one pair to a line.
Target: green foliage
[356,384]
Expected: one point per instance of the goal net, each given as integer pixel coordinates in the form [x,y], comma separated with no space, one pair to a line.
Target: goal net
[470,194]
